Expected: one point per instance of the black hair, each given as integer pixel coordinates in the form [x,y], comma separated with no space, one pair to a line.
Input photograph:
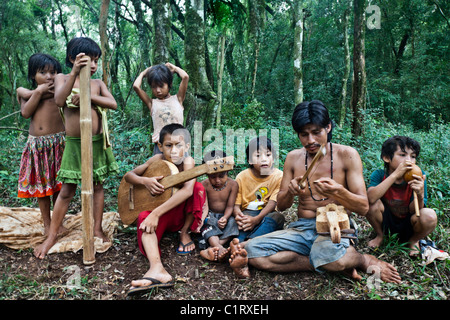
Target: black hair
[40,61]
[159,75]
[177,129]
[214,154]
[82,44]
[256,144]
[390,146]
[312,112]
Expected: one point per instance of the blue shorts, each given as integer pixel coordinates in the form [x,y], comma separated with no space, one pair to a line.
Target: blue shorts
[300,237]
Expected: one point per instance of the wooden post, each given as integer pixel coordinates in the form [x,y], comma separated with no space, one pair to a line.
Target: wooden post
[87,186]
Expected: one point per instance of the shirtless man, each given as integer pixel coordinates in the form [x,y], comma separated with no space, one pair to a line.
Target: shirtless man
[338,179]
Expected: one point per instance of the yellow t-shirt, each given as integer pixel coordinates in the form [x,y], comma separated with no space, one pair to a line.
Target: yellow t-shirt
[254,193]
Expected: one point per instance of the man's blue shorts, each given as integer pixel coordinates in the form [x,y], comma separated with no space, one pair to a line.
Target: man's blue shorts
[300,237]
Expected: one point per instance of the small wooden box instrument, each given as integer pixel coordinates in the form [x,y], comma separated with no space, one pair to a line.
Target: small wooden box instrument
[331,219]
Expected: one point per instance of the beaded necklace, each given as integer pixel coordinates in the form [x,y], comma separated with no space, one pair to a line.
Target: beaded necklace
[306,167]
[223,187]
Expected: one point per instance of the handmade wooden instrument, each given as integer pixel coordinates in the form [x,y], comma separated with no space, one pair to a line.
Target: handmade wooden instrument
[408,176]
[132,199]
[332,220]
[322,152]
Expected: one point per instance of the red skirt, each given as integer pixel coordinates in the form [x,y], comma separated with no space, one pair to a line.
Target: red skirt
[173,220]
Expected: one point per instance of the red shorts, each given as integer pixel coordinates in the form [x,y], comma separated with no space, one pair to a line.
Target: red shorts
[173,220]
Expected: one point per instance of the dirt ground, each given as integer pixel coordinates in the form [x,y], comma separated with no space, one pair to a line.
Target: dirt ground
[22,276]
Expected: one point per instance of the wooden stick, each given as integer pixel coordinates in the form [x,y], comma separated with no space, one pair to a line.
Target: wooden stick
[87,187]
[319,153]
[416,204]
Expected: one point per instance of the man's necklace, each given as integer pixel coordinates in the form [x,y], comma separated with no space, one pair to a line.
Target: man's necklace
[223,187]
[306,167]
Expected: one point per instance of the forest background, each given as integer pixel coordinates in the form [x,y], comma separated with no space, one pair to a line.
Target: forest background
[381,67]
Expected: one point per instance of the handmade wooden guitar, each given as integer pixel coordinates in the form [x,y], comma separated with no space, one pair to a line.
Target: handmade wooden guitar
[132,199]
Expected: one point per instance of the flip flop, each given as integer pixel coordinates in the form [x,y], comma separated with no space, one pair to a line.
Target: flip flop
[155,284]
[184,252]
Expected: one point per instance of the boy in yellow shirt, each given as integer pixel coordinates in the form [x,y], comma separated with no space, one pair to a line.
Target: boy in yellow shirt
[259,185]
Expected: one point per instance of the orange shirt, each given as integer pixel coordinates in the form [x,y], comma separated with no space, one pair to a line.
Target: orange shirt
[254,193]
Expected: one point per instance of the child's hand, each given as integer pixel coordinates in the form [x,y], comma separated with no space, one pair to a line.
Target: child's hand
[246,222]
[47,87]
[222,222]
[171,67]
[76,99]
[150,223]
[80,61]
[153,185]
[402,168]
[417,184]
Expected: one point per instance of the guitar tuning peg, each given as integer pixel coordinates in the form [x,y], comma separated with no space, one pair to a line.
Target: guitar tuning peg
[215,168]
[221,166]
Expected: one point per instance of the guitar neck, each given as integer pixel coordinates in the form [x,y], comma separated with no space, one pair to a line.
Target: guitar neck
[183,176]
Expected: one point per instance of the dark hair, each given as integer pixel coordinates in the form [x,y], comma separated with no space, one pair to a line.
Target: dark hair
[311,112]
[256,144]
[159,75]
[214,154]
[82,44]
[171,128]
[390,146]
[40,61]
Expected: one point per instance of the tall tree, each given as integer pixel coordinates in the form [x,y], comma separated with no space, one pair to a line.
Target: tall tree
[256,14]
[201,98]
[347,66]
[161,24]
[103,20]
[298,51]
[142,34]
[359,86]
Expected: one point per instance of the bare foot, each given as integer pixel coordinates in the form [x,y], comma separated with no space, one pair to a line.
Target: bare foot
[387,272]
[100,234]
[415,249]
[211,254]
[376,242]
[223,254]
[41,250]
[238,260]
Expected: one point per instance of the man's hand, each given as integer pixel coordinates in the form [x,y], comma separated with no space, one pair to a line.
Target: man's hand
[327,187]
[294,186]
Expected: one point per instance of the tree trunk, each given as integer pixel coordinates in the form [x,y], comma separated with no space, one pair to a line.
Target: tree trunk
[342,99]
[359,87]
[161,24]
[220,65]
[104,41]
[143,38]
[199,104]
[256,13]
[298,52]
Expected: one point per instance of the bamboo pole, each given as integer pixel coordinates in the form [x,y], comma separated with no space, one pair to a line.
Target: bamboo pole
[87,187]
